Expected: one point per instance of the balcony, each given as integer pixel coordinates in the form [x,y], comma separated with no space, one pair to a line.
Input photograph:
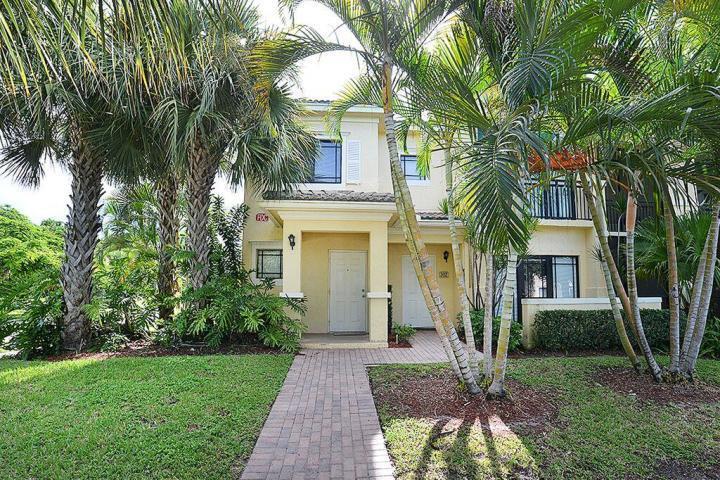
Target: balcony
[558,200]
[616,214]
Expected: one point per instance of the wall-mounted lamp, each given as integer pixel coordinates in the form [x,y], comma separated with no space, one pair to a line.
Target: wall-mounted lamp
[291,239]
[446,255]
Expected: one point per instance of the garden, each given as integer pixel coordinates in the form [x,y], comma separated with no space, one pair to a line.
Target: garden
[143,346]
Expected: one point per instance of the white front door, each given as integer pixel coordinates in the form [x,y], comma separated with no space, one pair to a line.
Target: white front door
[348,304]
[415,311]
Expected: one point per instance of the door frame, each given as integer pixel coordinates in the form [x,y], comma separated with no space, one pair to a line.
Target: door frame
[329,293]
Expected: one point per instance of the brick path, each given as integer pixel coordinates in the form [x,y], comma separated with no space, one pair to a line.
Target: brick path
[324,424]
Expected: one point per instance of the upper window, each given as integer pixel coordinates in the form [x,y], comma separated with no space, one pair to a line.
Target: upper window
[410,167]
[548,277]
[328,164]
[269,263]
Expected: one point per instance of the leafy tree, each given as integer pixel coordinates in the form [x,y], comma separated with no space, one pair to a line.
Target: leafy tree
[30,293]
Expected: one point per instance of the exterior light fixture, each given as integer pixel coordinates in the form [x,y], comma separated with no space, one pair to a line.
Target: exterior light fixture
[446,255]
[291,239]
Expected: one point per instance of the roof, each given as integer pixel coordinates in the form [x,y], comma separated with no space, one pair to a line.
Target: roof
[432,216]
[330,196]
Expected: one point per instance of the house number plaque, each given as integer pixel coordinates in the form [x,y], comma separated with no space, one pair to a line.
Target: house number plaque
[444,274]
[261,217]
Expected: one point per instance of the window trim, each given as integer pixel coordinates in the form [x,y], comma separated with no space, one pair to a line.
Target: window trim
[549,264]
[339,156]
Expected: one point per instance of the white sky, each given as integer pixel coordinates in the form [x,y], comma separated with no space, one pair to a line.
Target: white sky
[321,78]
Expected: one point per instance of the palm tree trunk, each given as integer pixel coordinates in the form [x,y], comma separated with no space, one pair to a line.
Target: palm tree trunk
[81,237]
[459,271]
[673,283]
[497,388]
[201,176]
[168,230]
[488,315]
[695,300]
[704,307]
[605,262]
[630,218]
[418,252]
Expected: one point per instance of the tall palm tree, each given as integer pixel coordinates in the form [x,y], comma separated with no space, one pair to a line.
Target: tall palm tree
[390,35]
[223,116]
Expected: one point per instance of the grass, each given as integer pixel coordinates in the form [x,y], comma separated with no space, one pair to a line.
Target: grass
[598,433]
[169,417]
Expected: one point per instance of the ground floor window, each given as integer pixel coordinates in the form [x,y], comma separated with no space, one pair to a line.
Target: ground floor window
[548,277]
[269,263]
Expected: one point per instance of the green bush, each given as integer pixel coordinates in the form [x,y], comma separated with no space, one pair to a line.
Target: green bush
[711,341]
[30,292]
[228,307]
[569,330]
[403,333]
[477,318]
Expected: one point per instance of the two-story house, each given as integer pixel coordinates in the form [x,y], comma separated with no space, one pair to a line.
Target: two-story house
[336,242]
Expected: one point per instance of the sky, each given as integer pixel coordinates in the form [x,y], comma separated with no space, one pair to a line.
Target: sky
[320,78]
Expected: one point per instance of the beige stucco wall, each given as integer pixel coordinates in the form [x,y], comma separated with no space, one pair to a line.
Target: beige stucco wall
[447,285]
[316,272]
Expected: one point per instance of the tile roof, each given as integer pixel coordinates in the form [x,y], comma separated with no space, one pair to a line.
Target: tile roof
[432,216]
[330,196]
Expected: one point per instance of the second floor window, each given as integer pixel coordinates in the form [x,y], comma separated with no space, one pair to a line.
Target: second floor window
[410,167]
[328,164]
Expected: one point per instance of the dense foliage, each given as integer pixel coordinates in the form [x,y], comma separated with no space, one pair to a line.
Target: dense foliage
[30,293]
[477,317]
[403,333]
[574,330]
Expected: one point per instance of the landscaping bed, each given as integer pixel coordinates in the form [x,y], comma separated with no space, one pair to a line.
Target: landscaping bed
[170,417]
[565,418]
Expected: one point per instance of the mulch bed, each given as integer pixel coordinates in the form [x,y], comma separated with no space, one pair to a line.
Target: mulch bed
[525,409]
[642,386]
[147,349]
[394,344]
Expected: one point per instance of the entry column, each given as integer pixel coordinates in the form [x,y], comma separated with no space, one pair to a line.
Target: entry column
[292,259]
[378,278]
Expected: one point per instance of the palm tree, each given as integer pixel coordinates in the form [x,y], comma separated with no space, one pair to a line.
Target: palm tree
[222,116]
[390,34]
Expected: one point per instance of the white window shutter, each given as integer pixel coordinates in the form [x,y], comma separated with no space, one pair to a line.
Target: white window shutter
[353,161]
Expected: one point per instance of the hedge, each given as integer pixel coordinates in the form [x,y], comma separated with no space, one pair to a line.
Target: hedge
[568,330]
[477,318]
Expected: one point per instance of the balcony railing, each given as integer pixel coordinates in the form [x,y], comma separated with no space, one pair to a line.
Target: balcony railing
[558,201]
[616,215]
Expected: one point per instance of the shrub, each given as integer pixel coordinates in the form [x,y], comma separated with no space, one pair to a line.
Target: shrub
[227,307]
[30,292]
[477,318]
[403,333]
[568,330]
[711,341]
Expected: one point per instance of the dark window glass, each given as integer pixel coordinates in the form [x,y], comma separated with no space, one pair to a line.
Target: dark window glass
[410,167]
[548,277]
[554,201]
[269,264]
[328,164]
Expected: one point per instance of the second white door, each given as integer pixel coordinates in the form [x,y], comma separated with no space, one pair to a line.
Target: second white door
[414,308]
[348,304]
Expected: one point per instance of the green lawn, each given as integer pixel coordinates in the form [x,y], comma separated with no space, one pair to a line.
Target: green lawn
[596,432]
[170,417]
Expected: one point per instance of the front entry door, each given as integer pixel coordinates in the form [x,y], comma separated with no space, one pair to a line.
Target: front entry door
[348,304]
[415,311]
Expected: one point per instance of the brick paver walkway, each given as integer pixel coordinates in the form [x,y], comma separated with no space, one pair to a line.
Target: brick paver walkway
[324,424]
